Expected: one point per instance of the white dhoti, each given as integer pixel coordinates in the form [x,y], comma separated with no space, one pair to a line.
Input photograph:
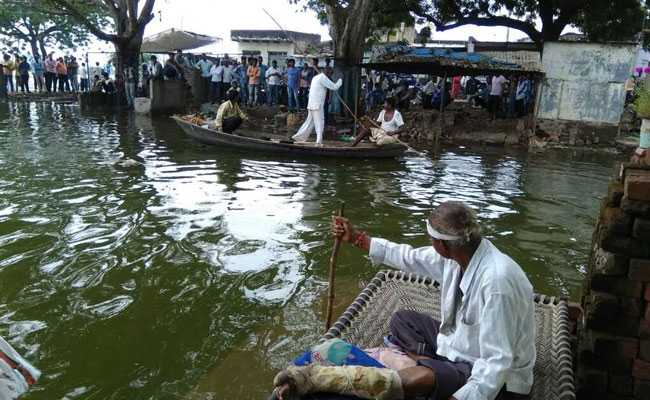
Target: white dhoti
[315,119]
[380,137]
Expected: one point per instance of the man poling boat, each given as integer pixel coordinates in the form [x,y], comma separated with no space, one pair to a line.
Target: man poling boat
[483,347]
[316,107]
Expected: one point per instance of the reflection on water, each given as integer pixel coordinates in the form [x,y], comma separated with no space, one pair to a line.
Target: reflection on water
[203,270]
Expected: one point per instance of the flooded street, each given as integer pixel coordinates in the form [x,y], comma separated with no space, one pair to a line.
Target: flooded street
[203,270]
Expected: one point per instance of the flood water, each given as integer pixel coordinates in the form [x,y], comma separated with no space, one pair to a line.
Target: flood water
[200,272]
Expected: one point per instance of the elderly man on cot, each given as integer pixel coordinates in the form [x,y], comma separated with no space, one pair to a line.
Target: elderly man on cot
[482,349]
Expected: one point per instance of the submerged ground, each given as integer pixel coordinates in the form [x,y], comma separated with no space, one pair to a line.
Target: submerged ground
[200,272]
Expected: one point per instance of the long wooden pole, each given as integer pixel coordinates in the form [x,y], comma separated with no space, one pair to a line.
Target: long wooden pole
[330,290]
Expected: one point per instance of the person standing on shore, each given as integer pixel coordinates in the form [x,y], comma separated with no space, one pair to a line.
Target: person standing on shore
[50,73]
[73,74]
[23,73]
[293,85]
[316,107]
[8,72]
[216,82]
[228,76]
[85,78]
[263,83]
[61,74]
[253,82]
[242,75]
[495,95]
[39,70]
[273,77]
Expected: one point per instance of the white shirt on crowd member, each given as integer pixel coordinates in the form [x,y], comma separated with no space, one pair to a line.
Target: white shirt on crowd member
[205,66]
[216,73]
[494,324]
[497,85]
[318,90]
[273,76]
[228,74]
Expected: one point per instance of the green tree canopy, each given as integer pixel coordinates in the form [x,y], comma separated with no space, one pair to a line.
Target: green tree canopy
[29,22]
[599,19]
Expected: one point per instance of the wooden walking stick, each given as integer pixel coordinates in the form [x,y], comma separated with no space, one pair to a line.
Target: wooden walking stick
[330,290]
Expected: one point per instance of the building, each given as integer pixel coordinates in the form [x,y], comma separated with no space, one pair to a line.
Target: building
[402,33]
[583,92]
[274,44]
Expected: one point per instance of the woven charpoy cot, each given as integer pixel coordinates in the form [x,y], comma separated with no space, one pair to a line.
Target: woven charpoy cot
[365,323]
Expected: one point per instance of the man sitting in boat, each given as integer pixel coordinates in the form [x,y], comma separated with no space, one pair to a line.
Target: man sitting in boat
[229,115]
[484,346]
[391,126]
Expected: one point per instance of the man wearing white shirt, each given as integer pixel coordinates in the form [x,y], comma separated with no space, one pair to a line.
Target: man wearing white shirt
[484,346]
[315,107]
[216,84]
[495,95]
[273,77]
[228,75]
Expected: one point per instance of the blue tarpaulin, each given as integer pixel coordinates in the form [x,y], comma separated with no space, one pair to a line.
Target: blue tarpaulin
[436,61]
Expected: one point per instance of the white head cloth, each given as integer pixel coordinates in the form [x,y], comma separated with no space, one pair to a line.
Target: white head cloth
[437,235]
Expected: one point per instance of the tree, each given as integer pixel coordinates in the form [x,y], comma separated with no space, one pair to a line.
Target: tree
[351,23]
[127,26]
[424,35]
[522,15]
[26,21]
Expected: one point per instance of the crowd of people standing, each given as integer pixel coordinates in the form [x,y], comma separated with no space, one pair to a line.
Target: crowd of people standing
[64,74]
[257,82]
[502,97]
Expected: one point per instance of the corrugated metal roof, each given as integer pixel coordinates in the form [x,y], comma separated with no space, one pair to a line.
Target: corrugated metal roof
[256,35]
[439,62]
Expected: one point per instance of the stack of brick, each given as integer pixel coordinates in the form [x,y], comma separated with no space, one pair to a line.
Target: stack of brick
[614,337]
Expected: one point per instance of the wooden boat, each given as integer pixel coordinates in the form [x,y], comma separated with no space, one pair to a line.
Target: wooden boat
[270,143]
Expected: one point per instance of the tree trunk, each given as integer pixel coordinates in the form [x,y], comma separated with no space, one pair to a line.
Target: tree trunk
[34,45]
[41,45]
[128,54]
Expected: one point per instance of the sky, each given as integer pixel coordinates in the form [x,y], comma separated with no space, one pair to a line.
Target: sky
[218,17]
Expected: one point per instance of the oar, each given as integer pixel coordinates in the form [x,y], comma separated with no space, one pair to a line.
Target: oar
[330,291]
[408,148]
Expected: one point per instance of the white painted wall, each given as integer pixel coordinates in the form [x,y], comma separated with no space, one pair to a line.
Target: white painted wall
[265,47]
[585,81]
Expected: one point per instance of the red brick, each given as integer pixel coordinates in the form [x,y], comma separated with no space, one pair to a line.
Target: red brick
[646,296]
[641,369]
[607,263]
[639,270]
[637,185]
[617,286]
[641,389]
[627,246]
[641,229]
[621,385]
[634,207]
[616,221]
[615,193]
[644,329]
[644,350]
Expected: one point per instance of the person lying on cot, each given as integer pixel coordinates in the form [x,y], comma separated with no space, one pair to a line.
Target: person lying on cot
[391,126]
[229,115]
[484,345]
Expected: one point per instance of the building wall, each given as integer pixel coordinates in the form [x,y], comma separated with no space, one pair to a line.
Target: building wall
[265,47]
[585,81]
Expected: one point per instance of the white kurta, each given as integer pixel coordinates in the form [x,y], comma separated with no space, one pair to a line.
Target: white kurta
[12,382]
[315,112]
[494,324]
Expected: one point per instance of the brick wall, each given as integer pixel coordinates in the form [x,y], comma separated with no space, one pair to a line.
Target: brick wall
[614,336]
